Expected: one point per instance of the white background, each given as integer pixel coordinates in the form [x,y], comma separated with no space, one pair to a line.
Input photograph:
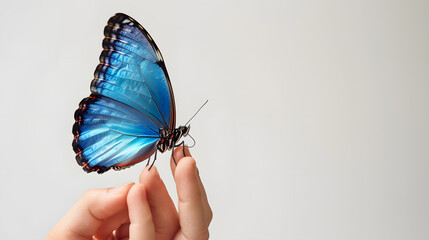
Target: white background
[317,125]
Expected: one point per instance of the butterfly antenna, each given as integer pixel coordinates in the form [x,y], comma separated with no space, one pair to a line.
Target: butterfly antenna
[192,140]
[196,112]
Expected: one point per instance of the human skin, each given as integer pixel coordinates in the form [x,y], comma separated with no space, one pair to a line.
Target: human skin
[142,211]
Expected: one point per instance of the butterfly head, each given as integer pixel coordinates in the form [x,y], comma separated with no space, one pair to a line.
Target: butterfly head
[185,130]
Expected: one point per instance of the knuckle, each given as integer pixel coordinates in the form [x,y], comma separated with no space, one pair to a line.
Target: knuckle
[209,216]
[205,235]
[89,193]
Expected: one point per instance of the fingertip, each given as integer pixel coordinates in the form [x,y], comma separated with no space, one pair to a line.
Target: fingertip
[120,190]
[149,174]
[141,222]
[137,192]
[179,153]
[186,168]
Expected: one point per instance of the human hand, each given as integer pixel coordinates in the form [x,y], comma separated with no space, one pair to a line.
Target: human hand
[142,211]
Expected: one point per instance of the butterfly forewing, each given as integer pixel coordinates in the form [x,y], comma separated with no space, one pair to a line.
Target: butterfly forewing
[131,100]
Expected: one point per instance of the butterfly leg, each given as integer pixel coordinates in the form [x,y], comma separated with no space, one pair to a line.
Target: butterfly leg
[156,151]
[148,161]
[172,155]
[183,147]
[178,145]
[172,151]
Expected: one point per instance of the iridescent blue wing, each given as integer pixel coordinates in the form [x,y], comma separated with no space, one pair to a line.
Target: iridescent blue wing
[132,98]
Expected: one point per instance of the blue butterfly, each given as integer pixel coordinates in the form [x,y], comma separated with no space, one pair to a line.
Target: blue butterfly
[130,113]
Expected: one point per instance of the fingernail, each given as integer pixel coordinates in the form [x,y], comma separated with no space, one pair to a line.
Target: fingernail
[118,189]
[153,170]
[188,152]
[156,172]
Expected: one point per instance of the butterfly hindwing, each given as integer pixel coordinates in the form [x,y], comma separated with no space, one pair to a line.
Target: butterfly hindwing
[132,98]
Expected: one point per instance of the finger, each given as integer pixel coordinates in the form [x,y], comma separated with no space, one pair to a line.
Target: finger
[164,213]
[84,219]
[141,223]
[178,155]
[113,222]
[192,213]
[123,231]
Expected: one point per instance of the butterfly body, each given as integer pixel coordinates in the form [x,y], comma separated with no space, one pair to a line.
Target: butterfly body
[130,113]
[168,140]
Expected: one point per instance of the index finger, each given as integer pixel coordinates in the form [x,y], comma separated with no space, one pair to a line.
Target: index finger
[194,211]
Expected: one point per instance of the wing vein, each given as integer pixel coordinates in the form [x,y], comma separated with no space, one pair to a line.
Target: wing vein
[150,92]
[131,115]
[134,103]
